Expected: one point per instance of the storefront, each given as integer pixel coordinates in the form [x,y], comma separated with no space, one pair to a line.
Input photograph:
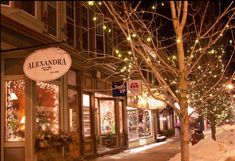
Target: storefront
[142,120]
[140,126]
[110,123]
[166,121]
[32,111]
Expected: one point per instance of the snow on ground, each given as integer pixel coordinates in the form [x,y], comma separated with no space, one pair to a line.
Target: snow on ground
[223,149]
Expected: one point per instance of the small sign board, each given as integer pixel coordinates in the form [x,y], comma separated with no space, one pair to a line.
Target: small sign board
[119,89]
[47,64]
[134,87]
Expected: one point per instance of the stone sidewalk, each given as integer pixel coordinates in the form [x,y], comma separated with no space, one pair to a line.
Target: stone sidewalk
[162,151]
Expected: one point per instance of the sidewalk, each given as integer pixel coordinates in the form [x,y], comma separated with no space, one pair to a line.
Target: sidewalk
[161,151]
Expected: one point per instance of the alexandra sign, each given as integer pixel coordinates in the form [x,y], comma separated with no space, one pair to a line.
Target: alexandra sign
[47,64]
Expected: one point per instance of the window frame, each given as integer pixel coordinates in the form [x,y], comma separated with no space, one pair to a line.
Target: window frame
[45,17]
[85,29]
[72,21]
[60,107]
[75,88]
[102,34]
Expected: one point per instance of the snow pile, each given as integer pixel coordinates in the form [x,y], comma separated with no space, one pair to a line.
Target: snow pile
[223,149]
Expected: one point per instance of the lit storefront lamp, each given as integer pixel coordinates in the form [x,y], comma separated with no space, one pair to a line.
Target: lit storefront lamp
[22,123]
[13,96]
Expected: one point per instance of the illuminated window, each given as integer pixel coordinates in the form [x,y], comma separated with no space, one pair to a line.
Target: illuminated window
[120,117]
[132,117]
[72,106]
[72,100]
[144,126]
[107,116]
[86,115]
[15,110]
[47,107]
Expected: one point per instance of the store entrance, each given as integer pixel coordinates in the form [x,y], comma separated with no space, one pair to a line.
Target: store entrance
[106,134]
[109,124]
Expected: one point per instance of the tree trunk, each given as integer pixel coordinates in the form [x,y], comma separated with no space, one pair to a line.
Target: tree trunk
[184,137]
[184,121]
[178,23]
[213,129]
[184,118]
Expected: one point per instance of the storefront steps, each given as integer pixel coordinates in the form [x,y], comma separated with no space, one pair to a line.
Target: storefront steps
[109,151]
[101,152]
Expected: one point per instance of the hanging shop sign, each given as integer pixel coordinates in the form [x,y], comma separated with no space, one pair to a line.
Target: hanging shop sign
[119,89]
[47,64]
[134,87]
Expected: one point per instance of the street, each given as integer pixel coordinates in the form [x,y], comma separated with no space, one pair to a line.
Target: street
[162,151]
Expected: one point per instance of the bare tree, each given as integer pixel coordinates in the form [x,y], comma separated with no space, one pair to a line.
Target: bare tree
[169,40]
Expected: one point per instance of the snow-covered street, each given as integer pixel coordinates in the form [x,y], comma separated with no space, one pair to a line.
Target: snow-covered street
[209,150]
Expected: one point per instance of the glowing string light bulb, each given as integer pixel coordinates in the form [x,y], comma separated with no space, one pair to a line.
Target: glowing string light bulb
[178,40]
[90,3]
[148,39]
[94,18]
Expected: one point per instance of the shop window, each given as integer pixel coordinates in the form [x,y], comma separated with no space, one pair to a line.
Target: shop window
[86,115]
[15,110]
[163,122]
[144,119]
[107,117]
[120,117]
[168,122]
[47,107]
[72,106]
[72,100]
[132,124]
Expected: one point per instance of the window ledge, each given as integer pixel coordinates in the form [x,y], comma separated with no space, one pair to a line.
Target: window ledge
[22,17]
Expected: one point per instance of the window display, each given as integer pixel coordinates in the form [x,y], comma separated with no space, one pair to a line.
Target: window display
[107,116]
[132,124]
[86,115]
[144,127]
[139,123]
[47,107]
[15,110]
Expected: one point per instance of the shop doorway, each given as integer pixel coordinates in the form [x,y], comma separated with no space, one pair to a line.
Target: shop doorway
[109,124]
